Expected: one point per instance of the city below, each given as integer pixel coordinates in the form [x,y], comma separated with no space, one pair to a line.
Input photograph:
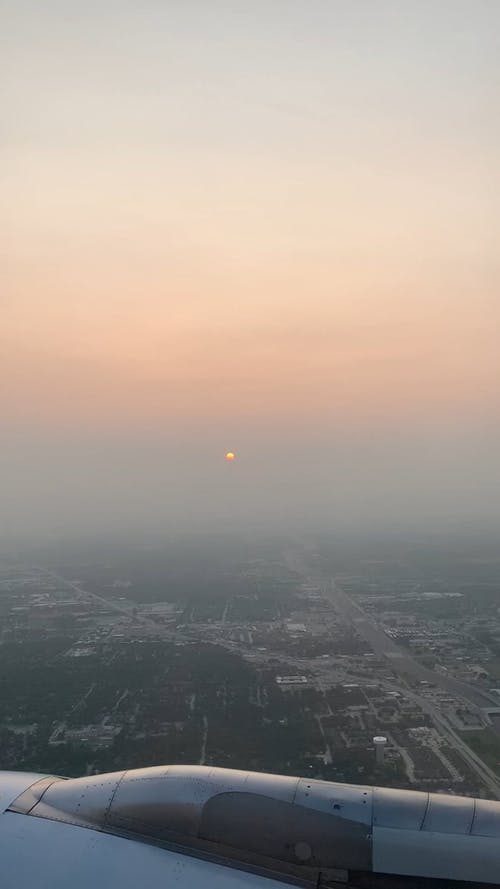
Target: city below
[372,664]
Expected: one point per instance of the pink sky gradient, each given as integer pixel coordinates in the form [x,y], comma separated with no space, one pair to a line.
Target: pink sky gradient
[276,222]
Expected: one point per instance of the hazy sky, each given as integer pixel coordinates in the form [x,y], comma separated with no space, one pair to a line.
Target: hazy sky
[270,226]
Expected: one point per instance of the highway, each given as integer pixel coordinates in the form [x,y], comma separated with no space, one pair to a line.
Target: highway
[489,778]
[109,604]
[401,662]
[405,666]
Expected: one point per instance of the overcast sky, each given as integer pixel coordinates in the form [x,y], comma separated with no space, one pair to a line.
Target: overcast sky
[267,226]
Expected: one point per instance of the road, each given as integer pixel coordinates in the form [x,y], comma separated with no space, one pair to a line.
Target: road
[124,610]
[489,778]
[203,754]
[401,662]
[405,666]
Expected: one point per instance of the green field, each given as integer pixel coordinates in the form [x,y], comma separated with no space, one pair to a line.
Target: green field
[487,745]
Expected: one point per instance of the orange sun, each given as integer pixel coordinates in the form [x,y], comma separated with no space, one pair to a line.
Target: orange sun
[230,456]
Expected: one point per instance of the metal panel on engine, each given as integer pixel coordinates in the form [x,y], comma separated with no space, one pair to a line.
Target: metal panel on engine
[401,809]
[449,814]
[419,853]
[486,819]
[348,801]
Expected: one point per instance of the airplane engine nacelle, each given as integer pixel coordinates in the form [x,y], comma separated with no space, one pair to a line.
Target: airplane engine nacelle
[315,830]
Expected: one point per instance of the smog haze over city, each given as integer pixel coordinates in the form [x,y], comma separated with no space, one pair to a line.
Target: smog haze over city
[268,228]
[250,372]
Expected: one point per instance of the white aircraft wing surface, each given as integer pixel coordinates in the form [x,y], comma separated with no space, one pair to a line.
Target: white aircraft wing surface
[190,826]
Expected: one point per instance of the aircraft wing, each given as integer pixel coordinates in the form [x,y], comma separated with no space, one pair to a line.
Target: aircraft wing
[190,826]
